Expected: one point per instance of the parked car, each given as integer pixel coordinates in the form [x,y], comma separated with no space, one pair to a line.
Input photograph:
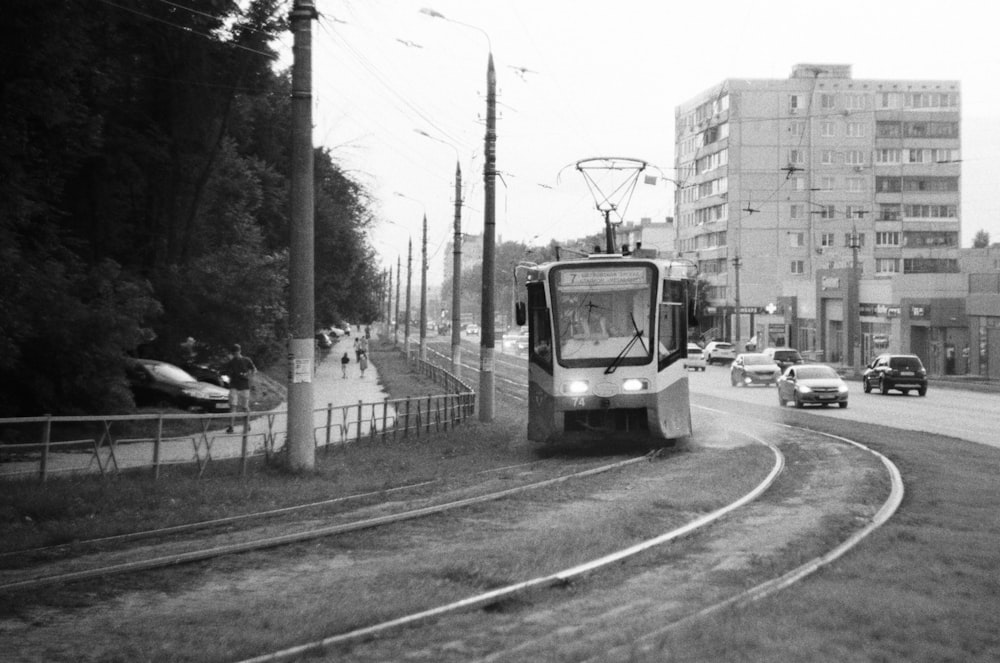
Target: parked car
[472,329]
[695,359]
[753,368]
[161,384]
[784,357]
[719,352]
[903,373]
[205,373]
[811,383]
[323,341]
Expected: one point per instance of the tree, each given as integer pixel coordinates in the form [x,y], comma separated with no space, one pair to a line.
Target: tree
[981,240]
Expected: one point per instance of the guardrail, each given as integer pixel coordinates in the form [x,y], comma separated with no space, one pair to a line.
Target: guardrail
[41,447]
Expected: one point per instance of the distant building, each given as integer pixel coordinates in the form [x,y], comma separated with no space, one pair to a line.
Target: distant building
[825,212]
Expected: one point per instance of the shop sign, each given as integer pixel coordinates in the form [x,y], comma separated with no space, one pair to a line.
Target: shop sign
[751,310]
[920,311]
[830,283]
[892,312]
[873,310]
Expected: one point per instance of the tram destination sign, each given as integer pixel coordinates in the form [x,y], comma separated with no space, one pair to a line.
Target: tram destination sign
[587,278]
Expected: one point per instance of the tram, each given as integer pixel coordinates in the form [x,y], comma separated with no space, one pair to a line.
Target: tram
[607,338]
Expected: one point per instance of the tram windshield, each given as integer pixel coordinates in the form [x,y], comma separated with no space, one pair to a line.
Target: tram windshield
[603,314]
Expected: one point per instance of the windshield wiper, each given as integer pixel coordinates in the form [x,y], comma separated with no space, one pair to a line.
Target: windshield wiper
[613,366]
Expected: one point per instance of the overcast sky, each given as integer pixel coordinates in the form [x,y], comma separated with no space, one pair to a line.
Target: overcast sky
[587,78]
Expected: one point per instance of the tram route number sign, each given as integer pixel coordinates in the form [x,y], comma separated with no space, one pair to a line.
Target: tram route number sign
[603,277]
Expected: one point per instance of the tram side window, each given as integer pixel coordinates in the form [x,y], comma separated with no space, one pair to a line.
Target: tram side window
[672,330]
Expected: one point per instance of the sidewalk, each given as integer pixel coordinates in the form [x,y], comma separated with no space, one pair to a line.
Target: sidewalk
[337,418]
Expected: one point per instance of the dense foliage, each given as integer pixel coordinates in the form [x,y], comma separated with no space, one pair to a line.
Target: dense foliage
[144,183]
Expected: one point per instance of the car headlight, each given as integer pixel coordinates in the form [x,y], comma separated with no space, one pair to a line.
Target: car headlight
[635,384]
[804,389]
[192,393]
[842,389]
[576,387]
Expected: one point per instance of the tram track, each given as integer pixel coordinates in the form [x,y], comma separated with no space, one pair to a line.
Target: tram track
[40,567]
[633,593]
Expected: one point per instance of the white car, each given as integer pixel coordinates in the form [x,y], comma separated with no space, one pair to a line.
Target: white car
[719,352]
[695,359]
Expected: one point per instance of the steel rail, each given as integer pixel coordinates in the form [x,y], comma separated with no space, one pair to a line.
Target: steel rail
[298,537]
[557,579]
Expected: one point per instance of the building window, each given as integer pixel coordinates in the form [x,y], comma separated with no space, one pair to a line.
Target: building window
[826,239]
[929,238]
[798,183]
[828,157]
[796,156]
[796,240]
[798,267]
[930,211]
[887,265]
[890,99]
[888,212]
[796,102]
[855,184]
[888,129]
[930,265]
[828,183]
[827,100]
[855,212]
[795,211]
[856,129]
[797,127]
[825,211]
[937,184]
[828,129]
[847,240]
[889,184]
[854,157]
[887,238]
[887,156]
[855,101]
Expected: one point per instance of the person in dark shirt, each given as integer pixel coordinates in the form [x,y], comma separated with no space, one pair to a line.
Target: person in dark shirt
[239,369]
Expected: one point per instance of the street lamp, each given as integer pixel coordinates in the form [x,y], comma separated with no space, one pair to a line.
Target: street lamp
[487,359]
[456,277]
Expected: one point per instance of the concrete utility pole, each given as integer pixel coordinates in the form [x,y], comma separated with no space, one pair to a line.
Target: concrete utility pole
[301,305]
[423,294]
[736,270]
[395,321]
[409,279]
[456,280]
[387,278]
[487,360]
[853,313]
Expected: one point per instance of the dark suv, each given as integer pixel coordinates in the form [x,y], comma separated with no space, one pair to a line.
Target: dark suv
[903,373]
[784,357]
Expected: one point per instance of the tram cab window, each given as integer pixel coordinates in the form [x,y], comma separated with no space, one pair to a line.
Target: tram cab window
[671,327]
[539,328]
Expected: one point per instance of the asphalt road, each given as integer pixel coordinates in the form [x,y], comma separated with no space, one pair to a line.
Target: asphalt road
[968,415]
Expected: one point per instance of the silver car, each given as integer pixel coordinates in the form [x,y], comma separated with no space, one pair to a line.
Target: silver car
[719,352]
[811,384]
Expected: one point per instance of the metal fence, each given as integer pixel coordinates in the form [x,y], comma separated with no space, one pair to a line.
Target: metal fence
[42,447]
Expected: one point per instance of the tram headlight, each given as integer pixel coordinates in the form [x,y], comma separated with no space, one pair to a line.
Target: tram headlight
[576,387]
[635,384]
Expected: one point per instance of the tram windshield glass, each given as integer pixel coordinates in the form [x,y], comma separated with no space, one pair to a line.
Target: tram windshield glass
[603,314]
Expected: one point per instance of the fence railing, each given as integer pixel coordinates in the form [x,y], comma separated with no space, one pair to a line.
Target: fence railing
[41,447]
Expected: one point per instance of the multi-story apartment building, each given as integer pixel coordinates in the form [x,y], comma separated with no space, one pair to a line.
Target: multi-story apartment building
[809,202]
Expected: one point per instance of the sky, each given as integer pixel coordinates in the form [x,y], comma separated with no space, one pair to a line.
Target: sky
[400,97]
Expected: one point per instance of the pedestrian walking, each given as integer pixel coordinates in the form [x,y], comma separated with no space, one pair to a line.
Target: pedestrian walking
[357,349]
[344,361]
[239,369]
[363,363]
